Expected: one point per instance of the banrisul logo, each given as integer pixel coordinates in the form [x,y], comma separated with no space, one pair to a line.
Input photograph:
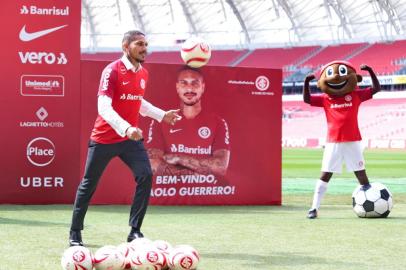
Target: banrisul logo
[40,151]
[44,11]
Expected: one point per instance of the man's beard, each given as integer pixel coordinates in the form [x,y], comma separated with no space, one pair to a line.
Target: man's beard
[139,60]
[136,59]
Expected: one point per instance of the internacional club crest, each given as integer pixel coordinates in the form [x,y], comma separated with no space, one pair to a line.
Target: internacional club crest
[204,132]
[262,83]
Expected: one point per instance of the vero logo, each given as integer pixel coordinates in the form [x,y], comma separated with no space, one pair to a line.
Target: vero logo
[43,58]
[29,36]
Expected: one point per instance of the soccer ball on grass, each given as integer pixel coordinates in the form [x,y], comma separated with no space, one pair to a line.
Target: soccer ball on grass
[376,201]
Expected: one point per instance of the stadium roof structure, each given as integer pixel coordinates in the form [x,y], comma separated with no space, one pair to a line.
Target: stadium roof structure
[237,24]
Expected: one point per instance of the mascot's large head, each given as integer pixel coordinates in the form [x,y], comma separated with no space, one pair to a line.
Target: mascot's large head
[338,78]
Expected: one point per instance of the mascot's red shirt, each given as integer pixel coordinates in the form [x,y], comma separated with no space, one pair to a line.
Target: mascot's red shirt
[342,114]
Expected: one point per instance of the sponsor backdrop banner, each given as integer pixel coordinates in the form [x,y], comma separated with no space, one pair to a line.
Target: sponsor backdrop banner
[40,75]
[249,102]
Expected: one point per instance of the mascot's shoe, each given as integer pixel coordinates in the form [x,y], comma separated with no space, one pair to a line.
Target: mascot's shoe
[134,234]
[75,238]
[366,187]
[312,213]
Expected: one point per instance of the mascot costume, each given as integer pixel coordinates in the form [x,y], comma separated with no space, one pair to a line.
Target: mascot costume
[340,99]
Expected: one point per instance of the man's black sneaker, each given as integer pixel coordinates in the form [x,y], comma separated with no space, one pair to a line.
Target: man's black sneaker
[75,238]
[312,213]
[134,235]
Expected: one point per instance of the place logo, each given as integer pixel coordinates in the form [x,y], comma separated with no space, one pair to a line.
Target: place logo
[40,151]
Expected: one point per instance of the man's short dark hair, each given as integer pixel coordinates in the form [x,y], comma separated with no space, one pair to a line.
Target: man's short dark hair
[186,68]
[130,36]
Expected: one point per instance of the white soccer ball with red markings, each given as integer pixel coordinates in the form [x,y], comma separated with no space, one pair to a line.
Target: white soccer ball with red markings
[148,258]
[77,257]
[375,201]
[165,249]
[108,258]
[140,243]
[126,250]
[183,257]
[195,52]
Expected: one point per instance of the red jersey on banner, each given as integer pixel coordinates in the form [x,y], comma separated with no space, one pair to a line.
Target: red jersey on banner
[342,114]
[126,88]
[199,137]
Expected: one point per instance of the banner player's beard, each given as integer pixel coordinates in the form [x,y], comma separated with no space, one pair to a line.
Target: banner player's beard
[191,102]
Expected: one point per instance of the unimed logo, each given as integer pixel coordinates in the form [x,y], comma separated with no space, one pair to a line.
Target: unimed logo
[40,151]
[42,85]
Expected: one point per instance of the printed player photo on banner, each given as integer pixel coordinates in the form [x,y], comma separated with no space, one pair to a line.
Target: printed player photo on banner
[226,147]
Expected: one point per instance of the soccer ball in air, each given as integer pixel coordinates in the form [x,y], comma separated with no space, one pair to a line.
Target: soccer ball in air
[77,257]
[376,201]
[195,52]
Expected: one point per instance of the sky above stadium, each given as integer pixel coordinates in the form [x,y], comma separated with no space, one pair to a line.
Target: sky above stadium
[242,23]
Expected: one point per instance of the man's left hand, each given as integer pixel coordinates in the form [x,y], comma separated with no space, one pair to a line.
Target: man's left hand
[172,116]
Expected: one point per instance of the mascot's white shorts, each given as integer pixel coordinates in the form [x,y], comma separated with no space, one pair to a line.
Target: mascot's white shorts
[337,153]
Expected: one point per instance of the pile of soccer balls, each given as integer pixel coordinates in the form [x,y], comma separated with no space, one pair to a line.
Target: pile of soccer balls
[140,254]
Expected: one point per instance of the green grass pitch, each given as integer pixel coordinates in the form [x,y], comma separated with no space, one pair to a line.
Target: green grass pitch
[231,238]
